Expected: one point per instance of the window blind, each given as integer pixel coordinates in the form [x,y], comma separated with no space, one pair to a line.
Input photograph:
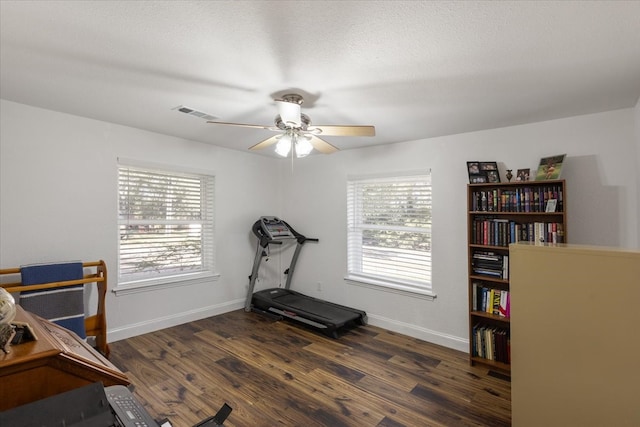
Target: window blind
[166,223]
[389,230]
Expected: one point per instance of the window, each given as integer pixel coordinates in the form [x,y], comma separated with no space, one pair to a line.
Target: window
[389,232]
[166,225]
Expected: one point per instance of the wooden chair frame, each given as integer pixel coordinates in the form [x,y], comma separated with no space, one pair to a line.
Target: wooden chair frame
[95,325]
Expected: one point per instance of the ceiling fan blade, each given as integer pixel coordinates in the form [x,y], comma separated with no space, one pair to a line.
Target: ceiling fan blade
[342,130]
[321,145]
[267,142]
[273,128]
[289,112]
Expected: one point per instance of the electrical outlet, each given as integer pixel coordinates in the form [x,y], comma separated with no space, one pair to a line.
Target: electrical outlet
[319,287]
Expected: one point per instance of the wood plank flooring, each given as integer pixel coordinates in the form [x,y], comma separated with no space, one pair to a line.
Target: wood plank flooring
[273,373]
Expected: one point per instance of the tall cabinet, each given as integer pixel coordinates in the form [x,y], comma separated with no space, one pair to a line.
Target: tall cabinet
[575,362]
[499,214]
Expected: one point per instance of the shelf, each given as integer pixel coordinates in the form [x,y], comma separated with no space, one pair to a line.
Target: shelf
[491,363]
[490,316]
[489,279]
[507,213]
[517,183]
[485,247]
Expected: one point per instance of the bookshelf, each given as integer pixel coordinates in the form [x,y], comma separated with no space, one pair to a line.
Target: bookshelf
[500,214]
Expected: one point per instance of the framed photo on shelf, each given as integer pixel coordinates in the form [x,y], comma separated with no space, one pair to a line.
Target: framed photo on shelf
[550,167]
[490,169]
[493,176]
[488,166]
[522,175]
[551,205]
[475,174]
[477,179]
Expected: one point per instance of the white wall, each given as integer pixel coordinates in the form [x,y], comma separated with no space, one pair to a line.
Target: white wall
[58,202]
[58,187]
[602,208]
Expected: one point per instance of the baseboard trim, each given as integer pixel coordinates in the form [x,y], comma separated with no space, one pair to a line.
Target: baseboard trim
[446,340]
[157,324]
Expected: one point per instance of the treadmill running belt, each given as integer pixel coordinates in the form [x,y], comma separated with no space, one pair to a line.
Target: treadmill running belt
[332,313]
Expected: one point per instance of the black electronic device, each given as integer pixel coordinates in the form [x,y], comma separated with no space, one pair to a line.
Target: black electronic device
[87,406]
[93,405]
[218,419]
[324,316]
[275,228]
[127,408]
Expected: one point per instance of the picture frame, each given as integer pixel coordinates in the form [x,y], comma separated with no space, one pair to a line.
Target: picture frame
[477,179]
[551,205]
[493,176]
[523,174]
[473,168]
[476,175]
[488,166]
[550,167]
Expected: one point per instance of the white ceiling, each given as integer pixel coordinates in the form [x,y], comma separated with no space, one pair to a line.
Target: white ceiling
[413,69]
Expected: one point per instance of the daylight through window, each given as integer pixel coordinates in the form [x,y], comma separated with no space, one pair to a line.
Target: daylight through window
[166,224]
[389,231]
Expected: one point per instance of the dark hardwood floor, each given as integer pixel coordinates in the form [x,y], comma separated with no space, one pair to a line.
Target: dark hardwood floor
[277,374]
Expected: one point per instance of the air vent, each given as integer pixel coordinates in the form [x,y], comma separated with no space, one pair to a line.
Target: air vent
[195,113]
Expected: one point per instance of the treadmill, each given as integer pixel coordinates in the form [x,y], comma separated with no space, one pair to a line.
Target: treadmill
[283,303]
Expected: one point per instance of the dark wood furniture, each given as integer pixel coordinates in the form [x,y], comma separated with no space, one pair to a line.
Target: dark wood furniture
[56,362]
[500,214]
[95,324]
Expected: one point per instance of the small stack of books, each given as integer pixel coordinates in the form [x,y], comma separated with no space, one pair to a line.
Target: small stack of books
[487,263]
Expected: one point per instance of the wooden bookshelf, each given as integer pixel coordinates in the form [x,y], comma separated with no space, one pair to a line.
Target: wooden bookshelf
[500,214]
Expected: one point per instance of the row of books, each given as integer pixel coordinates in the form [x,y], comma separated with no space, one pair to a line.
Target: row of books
[490,300]
[502,232]
[491,343]
[522,199]
[490,264]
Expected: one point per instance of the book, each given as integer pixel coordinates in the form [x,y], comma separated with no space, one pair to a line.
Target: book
[503,304]
[496,301]
[505,267]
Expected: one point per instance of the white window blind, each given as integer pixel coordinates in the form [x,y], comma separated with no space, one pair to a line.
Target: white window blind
[389,231]
[166,223]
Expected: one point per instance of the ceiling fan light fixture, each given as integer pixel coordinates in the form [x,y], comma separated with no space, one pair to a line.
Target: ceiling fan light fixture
[284,145]
[303,147]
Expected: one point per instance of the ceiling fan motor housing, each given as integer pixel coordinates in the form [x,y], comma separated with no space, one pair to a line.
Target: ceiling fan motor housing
[293,98]
[305,122]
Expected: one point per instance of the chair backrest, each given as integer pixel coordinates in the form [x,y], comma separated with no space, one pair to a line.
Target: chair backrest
[63,305]
[64,292]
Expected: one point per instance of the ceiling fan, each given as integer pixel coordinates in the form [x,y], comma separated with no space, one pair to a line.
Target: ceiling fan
[297,134]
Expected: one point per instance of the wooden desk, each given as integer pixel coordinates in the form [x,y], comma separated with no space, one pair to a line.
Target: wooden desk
[58,361]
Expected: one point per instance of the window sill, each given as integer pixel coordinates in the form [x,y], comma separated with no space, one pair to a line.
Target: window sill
[396,288]
[148,285]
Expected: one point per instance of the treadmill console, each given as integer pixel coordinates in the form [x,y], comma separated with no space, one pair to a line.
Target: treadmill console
[275,228]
